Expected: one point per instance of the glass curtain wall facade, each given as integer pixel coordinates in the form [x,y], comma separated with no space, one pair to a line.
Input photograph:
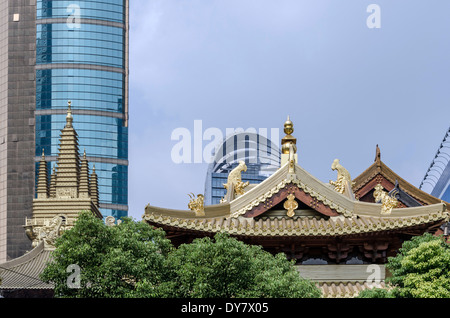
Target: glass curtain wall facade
[261,156]
[82,56]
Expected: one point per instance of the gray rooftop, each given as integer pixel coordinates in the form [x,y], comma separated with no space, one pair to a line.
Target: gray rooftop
[23,272]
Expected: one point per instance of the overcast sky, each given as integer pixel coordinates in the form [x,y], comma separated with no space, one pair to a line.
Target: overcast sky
[250,63]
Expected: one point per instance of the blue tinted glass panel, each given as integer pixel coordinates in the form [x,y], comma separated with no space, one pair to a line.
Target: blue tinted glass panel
[87,89]
[89,44]
[100,136]
[110,10]
[112,182]
[446,195]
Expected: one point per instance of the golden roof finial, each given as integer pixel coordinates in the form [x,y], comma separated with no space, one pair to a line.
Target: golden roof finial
[288,126]
[288,139]
[69,118]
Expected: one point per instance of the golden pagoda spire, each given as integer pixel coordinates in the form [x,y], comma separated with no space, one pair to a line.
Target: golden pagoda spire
[68,161]
[83,190]
[42,184]
[57,206]
[52,189]
[93,187]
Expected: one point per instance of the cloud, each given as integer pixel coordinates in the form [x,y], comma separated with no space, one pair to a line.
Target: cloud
[248,63]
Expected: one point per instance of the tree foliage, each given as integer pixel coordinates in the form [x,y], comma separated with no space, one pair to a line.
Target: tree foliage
[376,293]
[112,259]
[421,269]
[133,260]
[226,267]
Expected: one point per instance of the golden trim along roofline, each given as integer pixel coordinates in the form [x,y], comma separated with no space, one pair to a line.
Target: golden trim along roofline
[342,213]
[301,178]
[299,226]
[211,211]
[323,192]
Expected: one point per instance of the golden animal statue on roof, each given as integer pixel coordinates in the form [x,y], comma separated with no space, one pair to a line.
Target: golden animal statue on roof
[197,204]
[344,183]
[235,180]
[387,202]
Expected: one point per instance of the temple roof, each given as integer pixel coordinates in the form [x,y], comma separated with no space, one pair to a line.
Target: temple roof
[300,226]
[402,196]
[344,289]
[338,213]
[292,202]
[23,272]
[379,172]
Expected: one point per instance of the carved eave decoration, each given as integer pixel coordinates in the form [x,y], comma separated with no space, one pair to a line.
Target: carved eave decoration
[46,230]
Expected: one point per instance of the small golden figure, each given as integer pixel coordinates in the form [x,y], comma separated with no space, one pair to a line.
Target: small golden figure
[290,205]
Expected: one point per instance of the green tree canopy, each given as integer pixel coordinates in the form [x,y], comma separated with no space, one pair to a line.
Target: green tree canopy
[111,259]
[421,269]
[133,260]
[226,267]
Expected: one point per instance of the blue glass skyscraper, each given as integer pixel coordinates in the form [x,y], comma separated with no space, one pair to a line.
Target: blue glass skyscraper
[82,56]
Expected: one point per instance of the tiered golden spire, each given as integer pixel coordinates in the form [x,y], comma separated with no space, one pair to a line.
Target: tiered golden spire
[93,187]
[83,190]
[71,177]
[42,185]
[68,174]
[52,190]
[58,205]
